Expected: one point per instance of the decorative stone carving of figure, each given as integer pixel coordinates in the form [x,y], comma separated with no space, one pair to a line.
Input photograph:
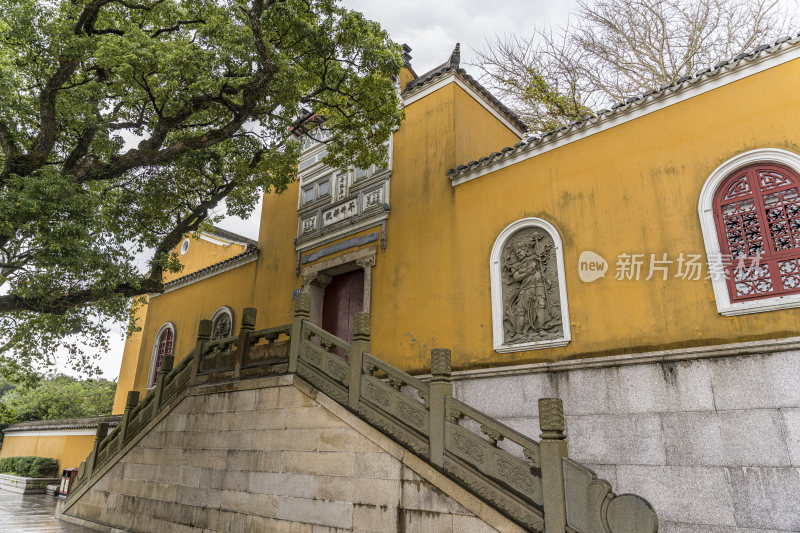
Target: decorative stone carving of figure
[530,286]
[222,326]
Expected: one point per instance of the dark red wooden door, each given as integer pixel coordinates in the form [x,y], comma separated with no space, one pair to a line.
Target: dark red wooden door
[343,297]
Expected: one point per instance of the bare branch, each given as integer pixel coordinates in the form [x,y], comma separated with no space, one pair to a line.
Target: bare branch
[616,49]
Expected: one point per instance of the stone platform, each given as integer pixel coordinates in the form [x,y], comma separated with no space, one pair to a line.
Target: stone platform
[271,454]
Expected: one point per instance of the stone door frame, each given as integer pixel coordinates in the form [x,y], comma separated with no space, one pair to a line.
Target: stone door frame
[317,276]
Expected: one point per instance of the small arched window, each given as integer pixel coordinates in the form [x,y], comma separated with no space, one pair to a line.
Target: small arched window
[757,214]
[163,345]
[222,323]
[750,215]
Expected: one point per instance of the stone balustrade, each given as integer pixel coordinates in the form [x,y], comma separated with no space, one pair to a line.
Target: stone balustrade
[534,483]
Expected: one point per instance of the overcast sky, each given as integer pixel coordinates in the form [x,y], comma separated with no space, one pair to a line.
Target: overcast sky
[431,29]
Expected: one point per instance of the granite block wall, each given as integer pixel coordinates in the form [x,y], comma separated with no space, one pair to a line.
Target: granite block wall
[275,459]
[713,443]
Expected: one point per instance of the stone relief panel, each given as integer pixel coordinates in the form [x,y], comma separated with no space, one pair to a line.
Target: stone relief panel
[531,305]
[222,327]
[222,323]
[529,308]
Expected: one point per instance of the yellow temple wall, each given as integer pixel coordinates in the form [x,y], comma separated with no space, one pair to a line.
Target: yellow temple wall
[185,307]
[202,253]
[68,450]
[275,276]
[130,359]
[633,188]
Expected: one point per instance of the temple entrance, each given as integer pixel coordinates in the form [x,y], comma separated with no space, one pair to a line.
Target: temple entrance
[344,295]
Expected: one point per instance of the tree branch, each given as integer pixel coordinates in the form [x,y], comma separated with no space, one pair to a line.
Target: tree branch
[177,26]
[80,150]
[58,306]
[45,140]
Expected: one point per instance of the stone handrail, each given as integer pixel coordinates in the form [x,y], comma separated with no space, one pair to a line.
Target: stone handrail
[176,380]
[272,334]
[327,340]
[217,355]
[386,405]
[396,378]
[266,350]
[210,360]
[107,447]
[482,451]
[535,483]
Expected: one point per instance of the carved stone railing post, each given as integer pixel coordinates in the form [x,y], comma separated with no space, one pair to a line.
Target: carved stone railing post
[248,325]
[302,311]
[203,336]
[553,448]
[441,387]
[360,345]
[166,368]
[102,432]
[130,404]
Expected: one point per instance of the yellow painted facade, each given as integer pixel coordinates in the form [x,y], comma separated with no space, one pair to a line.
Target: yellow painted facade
[68,450]
[130,358]
[184,307]
[629,189]
[204,250]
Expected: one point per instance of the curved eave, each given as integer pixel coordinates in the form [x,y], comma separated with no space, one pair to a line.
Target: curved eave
[248,256]
[743,65]
[63,424]
[418,87]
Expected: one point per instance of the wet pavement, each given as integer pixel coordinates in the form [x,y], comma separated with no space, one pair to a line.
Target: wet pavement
[32,513]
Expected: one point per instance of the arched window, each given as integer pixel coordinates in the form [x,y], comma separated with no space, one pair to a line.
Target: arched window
[222,323]
[752,203]
[163,345]
[529,294]
[757,210]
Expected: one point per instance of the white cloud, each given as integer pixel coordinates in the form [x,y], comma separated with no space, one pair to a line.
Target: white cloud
[431,29]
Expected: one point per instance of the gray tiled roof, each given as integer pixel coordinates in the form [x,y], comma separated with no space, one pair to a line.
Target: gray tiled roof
[452,65]
[738,62]
[231,236]
[65,423]
[211,268]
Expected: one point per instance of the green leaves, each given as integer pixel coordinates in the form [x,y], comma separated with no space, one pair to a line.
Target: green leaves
[57,397]
[123,125]
[559,108]
[29,466]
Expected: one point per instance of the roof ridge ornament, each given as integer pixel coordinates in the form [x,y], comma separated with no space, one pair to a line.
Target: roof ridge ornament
[406,54]
[455,57]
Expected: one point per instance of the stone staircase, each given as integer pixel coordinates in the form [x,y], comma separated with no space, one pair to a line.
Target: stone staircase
[236,437]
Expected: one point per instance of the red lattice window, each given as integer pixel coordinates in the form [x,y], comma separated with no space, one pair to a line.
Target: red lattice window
[164,347]
[757,212]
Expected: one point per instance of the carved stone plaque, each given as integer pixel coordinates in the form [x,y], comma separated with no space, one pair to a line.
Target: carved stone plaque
[530,287]
[222,326]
